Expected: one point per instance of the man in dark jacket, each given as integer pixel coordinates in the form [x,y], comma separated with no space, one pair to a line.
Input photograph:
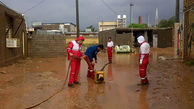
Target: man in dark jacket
[89,57]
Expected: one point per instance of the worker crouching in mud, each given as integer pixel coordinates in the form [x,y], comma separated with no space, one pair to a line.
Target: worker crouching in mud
[143,59]
[90,55]
[74,55]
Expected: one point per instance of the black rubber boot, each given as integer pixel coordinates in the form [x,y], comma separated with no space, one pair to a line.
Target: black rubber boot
[146,83]
[70,85]
[76,82]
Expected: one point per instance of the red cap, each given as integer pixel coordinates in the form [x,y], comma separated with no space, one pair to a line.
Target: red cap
[80,38]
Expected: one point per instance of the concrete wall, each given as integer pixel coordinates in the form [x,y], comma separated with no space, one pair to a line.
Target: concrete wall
[103,36]
[88,40]
[124,39]
[11,19]
[124,36]
[165,37]
[47,46]
[119,38]
[84,34]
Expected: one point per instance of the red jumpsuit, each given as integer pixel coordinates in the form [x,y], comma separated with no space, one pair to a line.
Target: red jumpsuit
[90,67]
[90,54]
[74,48]
[144,61]
[109,50]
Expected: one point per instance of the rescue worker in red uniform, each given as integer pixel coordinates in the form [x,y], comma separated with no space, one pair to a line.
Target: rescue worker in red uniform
[143,59]
[90,55]
[74,55]
[110,46]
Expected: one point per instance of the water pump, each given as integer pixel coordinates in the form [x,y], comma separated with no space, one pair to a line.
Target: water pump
[99,75]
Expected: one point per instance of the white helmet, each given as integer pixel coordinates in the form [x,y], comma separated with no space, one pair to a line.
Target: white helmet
[140,39]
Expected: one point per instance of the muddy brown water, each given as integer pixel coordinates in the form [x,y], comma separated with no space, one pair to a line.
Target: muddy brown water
[35,79]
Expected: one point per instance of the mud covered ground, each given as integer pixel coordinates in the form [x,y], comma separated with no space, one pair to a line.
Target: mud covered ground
[30,81]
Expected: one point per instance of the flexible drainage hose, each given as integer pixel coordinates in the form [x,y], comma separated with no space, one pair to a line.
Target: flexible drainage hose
[62,88]
[57,92]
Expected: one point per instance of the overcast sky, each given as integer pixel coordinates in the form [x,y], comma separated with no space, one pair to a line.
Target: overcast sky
[91,11]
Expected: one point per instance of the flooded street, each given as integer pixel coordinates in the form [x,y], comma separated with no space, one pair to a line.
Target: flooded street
[33,80]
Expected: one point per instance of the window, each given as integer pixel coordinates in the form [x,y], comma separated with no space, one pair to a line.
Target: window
[9,32]
[9,27]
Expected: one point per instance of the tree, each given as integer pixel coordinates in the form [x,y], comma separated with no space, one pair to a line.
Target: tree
[93,29]
[167,23]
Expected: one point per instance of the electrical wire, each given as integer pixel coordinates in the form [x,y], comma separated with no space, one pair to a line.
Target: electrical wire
[107,5]
[34,6]
[3,4]
[7,6]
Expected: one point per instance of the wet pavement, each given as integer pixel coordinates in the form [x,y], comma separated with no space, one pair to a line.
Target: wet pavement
[33,80]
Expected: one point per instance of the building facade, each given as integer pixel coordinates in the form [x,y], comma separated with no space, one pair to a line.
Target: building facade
[70,27]
[53,28]
[103,26]
[188,28]
[13,38]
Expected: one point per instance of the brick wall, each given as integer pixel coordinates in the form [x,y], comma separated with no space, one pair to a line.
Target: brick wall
[103,36]
[165,37]
[47,45]
[124,37]
[118,38]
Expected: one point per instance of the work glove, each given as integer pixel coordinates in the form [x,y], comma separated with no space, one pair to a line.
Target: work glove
[93,63]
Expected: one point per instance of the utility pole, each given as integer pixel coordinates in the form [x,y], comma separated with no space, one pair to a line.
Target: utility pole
[157,18]
[131,17]
[77,17]
[102,25]
[148,21]
[177,11]
[131,12]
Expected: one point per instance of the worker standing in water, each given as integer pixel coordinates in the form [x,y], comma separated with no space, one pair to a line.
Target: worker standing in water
[110,46]
[143,59]
[75,54]
[91,58]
